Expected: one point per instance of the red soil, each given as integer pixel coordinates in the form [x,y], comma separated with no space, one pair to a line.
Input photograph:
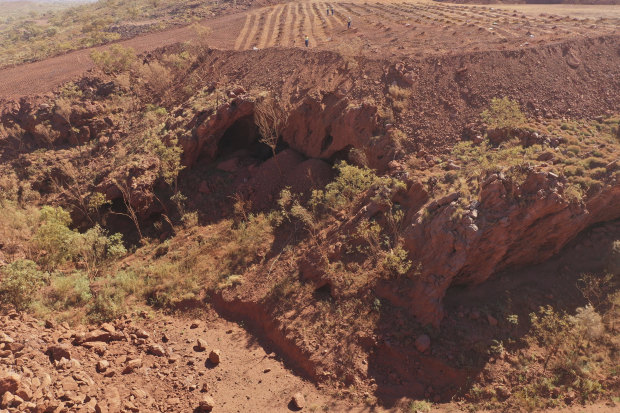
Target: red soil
[379,30]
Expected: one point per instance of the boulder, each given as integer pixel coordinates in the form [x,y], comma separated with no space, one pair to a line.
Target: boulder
[206,404]
[5,339]
[98,347]
[201,345]
[132,365]
[156,350]
[9,382]
[98,335]
[214,356]
[325,123]
[298,401]
[102,366]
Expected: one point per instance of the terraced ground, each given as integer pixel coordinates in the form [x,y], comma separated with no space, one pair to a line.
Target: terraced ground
[380,29]
[418,26]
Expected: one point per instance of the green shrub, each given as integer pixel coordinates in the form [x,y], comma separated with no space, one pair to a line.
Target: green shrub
[116,59]
[350,182]
[168,153]
[551,330]
[248,243]
[588,323]
[20,282]
[398,92]
[594,162]
[53,238]
[348,185]
[396,261]
[573,170]
[129,282]
[420,406]
[67,291]
[108,304]
[95,248]
[503,113]
[58,243]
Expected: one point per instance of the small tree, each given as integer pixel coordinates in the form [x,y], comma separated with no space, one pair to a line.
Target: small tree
[54,239]
[131,213]
[20,280]
[503,113]
[270,116]
[116,59]
[551,330]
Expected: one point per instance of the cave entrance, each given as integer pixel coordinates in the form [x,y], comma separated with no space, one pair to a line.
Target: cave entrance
[243,135]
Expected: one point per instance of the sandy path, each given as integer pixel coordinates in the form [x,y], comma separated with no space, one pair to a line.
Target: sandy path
[41,77]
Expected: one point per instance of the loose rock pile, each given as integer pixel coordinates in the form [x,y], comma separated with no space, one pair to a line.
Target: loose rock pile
[115,367]
[138,364]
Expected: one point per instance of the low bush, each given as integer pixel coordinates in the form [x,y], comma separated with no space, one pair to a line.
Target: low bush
[396,261]
[53,238]
[68,291]
[116,59]
[57,243]
[503,113]
[20,281]
[351,182]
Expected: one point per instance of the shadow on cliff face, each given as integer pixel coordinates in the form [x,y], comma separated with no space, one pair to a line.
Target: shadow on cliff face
[240,168]
[243,135]
[410,361]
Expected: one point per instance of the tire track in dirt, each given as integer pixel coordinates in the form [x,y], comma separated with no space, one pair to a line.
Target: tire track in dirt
[319,20]
[284,38]
[291,18]
[241,39]
[267,27]
[45,75]
[424,13]
[255,30]
[301,22]
[326,18]
[339,15]
[356,15]
[277,22]
[316,34]
[389,13]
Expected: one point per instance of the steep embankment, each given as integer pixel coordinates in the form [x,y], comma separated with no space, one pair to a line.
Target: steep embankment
[575,78]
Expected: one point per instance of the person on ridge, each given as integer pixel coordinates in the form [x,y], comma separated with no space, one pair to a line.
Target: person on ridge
[332,10]
[328,10]
[307,40]
[349,22]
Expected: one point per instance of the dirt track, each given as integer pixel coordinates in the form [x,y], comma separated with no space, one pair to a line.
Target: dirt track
[385,29]
[41,77]
[248,378]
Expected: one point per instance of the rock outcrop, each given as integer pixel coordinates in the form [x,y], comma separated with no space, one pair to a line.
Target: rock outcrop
[318,127]
[509,225]
[63,122]
[210,126]
[323,125]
